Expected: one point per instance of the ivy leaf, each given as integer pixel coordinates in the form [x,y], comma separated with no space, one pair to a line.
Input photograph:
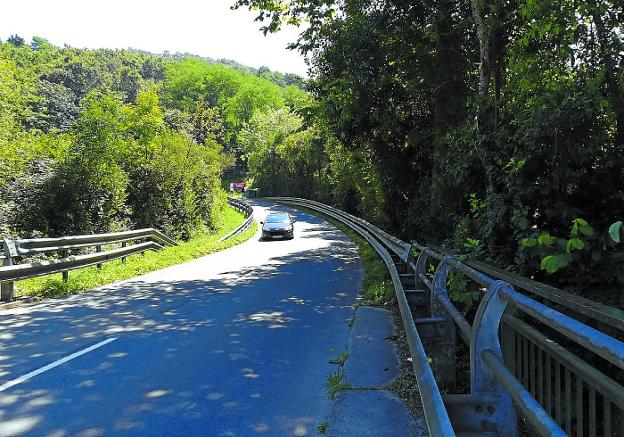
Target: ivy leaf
[553,263]
[573,244]
[614,231]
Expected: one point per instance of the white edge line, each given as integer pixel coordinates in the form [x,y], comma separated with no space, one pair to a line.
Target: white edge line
[56,363]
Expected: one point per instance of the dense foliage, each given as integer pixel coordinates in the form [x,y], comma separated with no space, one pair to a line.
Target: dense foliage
[103,140]
[490,126]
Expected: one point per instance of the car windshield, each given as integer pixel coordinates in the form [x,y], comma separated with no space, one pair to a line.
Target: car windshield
[277,219]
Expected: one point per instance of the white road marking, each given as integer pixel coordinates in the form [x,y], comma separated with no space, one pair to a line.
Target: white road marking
[56,363]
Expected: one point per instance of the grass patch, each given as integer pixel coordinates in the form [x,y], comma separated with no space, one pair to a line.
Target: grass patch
[135,265]
[335,383]
[340,359]
[377,288]
[321,428]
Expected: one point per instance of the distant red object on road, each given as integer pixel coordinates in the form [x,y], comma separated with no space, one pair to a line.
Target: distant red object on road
[237,186]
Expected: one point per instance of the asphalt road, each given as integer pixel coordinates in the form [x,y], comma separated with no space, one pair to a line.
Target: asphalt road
[232,344]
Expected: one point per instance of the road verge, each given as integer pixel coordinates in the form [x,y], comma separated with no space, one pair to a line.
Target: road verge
[89,278]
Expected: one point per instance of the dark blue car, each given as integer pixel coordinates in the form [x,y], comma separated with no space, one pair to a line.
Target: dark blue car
[277,226]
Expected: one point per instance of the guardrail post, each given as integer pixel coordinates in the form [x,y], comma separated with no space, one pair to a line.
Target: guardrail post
[7,288]
[123,244]
[64,273]
[485,337]
[443,347]
[98,249]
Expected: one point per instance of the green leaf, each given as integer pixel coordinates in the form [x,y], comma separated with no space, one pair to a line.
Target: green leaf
[580,222]
[573,244]
[587,230]
[471,242]
[615,231]
[580,225]
[529,242]
[553,263]
[545,239]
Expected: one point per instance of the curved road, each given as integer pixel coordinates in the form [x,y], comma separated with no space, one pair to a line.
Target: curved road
[232,344]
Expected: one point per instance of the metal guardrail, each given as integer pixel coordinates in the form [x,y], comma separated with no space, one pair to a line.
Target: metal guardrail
[526,358]
[247,210]
[140,241]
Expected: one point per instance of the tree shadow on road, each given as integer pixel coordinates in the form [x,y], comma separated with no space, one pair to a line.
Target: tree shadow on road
[295,295]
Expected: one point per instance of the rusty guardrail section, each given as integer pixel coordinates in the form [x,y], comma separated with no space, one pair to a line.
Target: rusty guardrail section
[246,210]
[130,242]
[551,358]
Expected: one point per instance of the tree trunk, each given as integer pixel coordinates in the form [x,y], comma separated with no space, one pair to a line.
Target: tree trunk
[449,104]
[613,88]
[490,37]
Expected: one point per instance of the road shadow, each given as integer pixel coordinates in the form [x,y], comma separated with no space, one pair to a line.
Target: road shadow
[297,302]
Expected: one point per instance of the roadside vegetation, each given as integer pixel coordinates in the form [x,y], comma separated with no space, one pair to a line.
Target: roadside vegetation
[341,359]
[490,126]
[95,141]
[336,382]
[321,428]
[135,265]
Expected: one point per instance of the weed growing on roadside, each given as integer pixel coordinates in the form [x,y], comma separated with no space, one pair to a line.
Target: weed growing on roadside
[321,428]
[335,383]
[340,359]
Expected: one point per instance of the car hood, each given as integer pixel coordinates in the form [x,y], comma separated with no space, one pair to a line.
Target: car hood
[276,226]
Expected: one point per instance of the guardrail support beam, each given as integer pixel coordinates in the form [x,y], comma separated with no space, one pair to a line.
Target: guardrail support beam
[443,348]
[508,341]
[421,267]
[485,338]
